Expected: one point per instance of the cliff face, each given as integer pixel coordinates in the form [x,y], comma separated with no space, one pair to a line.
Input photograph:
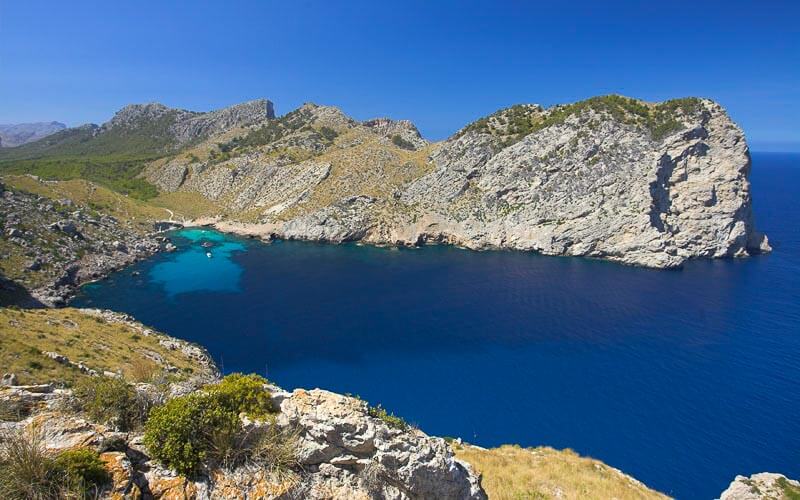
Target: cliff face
[186,126]
[611,177]
[597,186]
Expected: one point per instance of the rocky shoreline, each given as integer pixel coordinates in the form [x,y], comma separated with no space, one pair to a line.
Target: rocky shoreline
[57,245]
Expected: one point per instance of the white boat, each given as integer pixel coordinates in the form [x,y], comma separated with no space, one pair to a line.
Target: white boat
[208,254]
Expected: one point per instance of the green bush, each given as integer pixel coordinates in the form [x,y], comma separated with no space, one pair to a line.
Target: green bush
[328,133]
[243,394]
[204,428]
[390,419]
[179,432]
[401,143]
[83,468]
[110,401]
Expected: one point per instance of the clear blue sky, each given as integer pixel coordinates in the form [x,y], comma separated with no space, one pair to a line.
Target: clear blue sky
[439,64]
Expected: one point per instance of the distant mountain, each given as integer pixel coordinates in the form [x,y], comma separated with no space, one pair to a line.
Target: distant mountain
[115,152]
[22,133]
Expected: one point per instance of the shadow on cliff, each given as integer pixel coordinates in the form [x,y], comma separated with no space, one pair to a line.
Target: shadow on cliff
[14,294]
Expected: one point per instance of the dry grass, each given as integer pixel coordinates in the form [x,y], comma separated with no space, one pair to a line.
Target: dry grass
[511,472]
[371,167]
[91,195]
[26,334]
[186,205]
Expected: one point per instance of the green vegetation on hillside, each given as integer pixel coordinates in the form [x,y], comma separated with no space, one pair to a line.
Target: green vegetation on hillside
[113,157]
[299,120]
[514,123]
[112,401]
[203,429]
[790,491]
[401,143]
[26,335]
[28,470]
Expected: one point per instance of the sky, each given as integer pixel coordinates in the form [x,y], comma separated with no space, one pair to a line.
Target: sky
[440,64]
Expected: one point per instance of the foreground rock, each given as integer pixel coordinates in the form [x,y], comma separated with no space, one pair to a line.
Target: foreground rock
[344,448]
[763,486]
[343,453]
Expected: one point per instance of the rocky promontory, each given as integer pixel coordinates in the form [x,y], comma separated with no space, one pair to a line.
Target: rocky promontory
[611,177]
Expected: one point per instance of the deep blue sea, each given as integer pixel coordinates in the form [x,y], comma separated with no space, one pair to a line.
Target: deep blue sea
[682,379]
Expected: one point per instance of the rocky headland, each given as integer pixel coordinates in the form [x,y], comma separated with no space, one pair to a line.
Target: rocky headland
[614,178]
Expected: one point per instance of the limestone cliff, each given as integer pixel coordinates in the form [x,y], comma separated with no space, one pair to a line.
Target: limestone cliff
[610,177]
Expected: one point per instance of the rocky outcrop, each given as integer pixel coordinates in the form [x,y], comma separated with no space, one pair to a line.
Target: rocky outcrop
[763,486]
[402,133]
[188,126]
[597,186]
[342,446]
[342,452]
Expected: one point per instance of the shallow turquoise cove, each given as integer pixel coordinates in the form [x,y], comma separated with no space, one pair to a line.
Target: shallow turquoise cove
[191,270]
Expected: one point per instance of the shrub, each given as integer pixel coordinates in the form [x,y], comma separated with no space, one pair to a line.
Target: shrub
[111,401]
[25,469]
[203,429]
[179,432]
[275,448]
[328,133]
[390,419]
[401,143]
[83,468]
[243,394]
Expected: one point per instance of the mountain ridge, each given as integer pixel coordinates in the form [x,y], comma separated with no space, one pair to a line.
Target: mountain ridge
[612,177]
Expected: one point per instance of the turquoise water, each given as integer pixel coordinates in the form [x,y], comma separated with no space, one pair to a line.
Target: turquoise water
[192,270]
[683,379]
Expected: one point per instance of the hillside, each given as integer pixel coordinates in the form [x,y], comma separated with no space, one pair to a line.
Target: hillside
[609,177]
[59,235]
[61,346]
[142,405]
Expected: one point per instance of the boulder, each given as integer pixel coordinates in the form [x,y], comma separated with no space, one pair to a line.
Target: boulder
[9,379]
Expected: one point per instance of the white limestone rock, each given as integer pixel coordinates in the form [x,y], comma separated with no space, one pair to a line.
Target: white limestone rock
[762,486]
